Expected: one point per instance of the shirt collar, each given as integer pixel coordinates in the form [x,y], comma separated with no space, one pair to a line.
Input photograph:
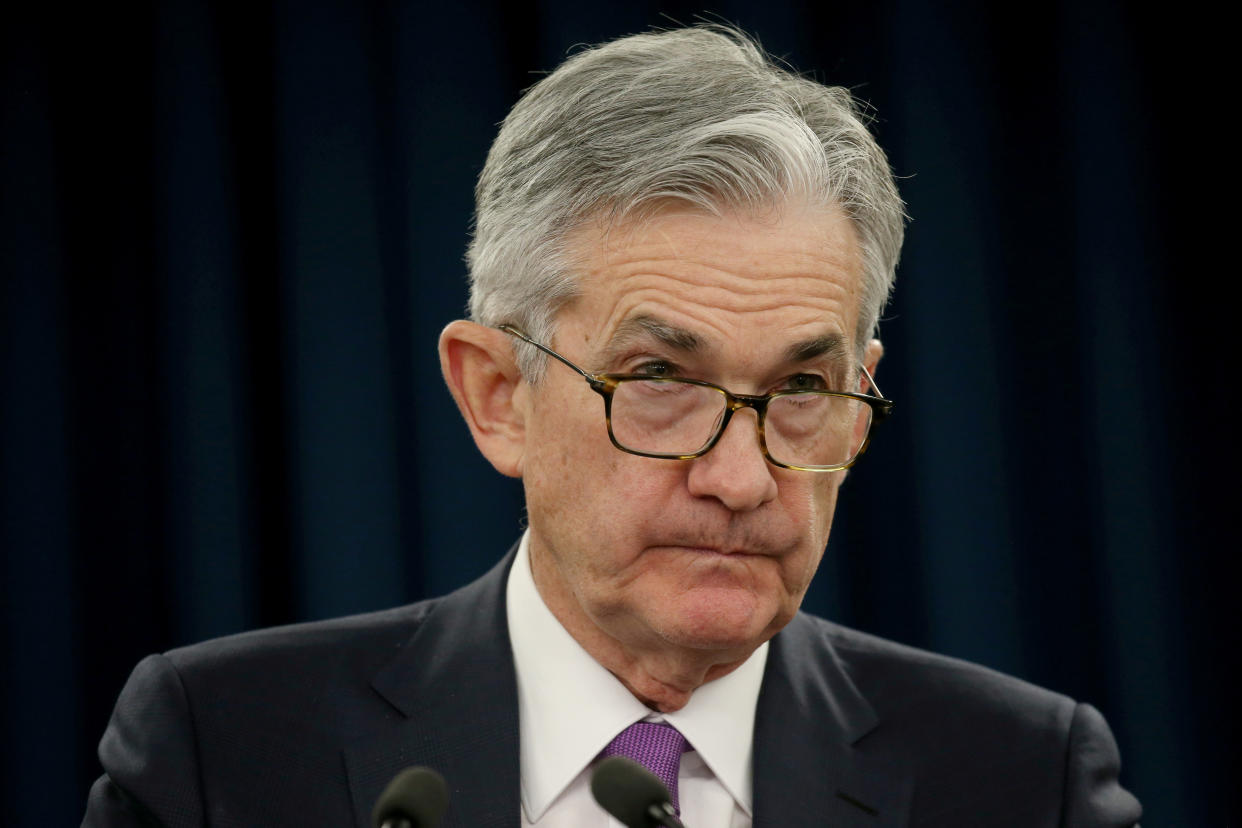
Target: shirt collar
[570,707]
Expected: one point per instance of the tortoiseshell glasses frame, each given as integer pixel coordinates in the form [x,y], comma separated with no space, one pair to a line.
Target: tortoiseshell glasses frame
[607,384]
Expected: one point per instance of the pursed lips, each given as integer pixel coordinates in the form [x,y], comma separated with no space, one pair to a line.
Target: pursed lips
[724,550]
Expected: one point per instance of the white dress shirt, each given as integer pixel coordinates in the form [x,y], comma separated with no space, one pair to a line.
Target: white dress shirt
[570,708]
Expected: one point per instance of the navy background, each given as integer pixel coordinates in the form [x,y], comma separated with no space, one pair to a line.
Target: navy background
[232,233]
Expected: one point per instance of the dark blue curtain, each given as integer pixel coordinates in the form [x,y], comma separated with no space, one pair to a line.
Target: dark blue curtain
[232,233]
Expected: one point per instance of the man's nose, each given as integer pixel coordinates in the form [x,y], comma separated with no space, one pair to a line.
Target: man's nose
[735,471]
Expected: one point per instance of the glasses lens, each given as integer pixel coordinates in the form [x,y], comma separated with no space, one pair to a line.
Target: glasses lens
[665,416]
[814,429]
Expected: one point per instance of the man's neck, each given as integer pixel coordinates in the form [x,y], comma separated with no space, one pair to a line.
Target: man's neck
[664,689]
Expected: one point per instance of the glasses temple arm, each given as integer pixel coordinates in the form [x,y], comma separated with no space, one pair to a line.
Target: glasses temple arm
[871,382]
[509,329]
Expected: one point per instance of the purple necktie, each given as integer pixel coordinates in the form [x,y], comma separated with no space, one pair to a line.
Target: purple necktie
[657,746]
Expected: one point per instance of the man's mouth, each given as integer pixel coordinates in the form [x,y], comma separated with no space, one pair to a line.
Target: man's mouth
[724,550]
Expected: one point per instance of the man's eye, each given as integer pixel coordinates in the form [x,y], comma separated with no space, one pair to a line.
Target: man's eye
[656,368]
[805,382]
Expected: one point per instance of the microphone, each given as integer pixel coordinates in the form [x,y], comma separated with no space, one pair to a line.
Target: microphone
[632,794]
[415,798]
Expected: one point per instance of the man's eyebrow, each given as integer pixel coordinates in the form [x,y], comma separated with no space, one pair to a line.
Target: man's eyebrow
[637,327]
[831,345]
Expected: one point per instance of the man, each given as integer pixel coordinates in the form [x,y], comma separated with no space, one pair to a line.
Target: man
[680,256]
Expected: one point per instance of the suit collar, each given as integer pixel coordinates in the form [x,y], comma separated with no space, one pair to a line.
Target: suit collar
[453,694]
[811,763]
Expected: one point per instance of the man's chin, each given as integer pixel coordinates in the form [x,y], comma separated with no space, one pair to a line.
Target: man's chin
[721,622]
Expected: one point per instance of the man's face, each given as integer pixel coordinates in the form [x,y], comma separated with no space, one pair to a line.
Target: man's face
[713,553]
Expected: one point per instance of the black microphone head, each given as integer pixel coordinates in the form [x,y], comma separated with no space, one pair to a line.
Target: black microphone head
[417,794]
[627,790]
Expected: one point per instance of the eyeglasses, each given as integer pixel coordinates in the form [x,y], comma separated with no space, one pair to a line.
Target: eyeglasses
[674,418]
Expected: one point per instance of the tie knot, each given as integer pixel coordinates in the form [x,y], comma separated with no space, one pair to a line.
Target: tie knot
[657,746]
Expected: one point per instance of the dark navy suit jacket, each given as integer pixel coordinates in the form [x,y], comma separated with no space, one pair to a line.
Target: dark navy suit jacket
[305,725]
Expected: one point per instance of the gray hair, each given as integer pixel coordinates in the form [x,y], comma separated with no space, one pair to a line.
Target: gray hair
[699,116]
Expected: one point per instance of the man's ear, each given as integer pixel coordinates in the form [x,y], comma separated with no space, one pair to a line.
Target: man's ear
[487,386]
[871,359]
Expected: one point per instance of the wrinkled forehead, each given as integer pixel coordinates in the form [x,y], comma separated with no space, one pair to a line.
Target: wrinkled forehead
[609,229]
[784,279]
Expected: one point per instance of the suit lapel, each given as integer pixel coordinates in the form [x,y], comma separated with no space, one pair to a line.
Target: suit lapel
[810,765]
[453,696]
